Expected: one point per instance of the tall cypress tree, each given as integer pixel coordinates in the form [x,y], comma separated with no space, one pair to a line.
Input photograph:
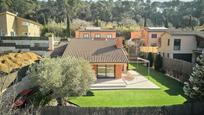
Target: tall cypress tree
[194,88]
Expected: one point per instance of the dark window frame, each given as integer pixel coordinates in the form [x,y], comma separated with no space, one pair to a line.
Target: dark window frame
[177,44]
[97,35]
[86,35]
[168,42]
[105,72]
[154,36]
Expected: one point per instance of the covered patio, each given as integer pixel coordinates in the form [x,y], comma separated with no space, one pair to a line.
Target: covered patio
[131,80]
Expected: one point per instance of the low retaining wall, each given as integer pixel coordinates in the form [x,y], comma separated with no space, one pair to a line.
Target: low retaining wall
[186,109]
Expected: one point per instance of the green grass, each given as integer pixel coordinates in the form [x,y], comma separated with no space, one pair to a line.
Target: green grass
[170,93]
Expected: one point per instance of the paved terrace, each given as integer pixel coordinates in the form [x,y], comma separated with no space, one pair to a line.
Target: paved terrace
[131,80]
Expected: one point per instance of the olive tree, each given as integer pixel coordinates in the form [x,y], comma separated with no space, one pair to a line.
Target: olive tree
[63,76]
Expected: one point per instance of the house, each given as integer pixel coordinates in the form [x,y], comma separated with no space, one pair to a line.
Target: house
[40,45]
[12,25]
[146,39]
[95,33]
[108,57]
[181,45]
[149,35]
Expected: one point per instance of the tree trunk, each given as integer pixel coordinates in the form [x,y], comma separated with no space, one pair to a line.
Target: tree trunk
[166,23]
[145,21]
[60,101]
[68,26]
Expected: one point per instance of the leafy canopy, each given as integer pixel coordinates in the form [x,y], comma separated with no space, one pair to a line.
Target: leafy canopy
[64,76]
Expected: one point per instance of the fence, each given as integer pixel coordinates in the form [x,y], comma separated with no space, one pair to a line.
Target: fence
[178,69]
[186,109]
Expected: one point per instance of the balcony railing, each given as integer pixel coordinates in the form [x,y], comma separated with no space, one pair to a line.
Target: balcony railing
[22,38]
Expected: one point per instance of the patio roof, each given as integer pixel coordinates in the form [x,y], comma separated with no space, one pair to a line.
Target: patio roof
[96,51]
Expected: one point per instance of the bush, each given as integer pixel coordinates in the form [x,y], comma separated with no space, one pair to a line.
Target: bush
[158,62]
[55,28]
[150,58]
[89,93]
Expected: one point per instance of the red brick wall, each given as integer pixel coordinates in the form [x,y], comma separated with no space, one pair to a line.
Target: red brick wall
[95,68]
[143,34]
[136,34]
[118,71]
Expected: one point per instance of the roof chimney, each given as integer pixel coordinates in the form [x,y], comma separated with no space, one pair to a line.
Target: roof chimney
[51,43]
[119,42]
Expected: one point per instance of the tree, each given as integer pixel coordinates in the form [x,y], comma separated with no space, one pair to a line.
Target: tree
[24,7]
[150,58]
[194,88]
[158,62]
[63,76]
[68,9]
[5,5]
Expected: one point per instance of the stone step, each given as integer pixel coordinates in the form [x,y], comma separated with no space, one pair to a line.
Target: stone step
[111,87]
[108,85]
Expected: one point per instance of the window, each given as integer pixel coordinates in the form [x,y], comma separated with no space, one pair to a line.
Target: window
[177,44]
[168,55]
[98,35]
[109,36]
[101,71]
[12,33]
[168,42]
[26,34]
[106,71]
[154,35]
[1,33]
[40,45]
[86,35]
[153,44]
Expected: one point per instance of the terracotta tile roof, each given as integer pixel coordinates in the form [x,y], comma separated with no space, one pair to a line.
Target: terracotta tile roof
[96,51]
[59,50]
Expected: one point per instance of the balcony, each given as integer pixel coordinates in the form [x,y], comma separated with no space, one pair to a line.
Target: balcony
[199,50]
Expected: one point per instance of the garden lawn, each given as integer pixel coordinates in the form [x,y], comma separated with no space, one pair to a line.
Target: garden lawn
[170,93]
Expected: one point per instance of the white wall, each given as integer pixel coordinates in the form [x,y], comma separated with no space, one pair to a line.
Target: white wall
[188,44]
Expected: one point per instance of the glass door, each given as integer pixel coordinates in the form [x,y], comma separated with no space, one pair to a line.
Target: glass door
[106,71]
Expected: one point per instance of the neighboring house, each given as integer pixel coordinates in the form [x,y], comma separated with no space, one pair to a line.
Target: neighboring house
[95,33]
[149,37]
[12,25]
[39,45]
[108,57]
[181,45]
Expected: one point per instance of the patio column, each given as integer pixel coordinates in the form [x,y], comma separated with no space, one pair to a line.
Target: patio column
[118,71]
[125,68]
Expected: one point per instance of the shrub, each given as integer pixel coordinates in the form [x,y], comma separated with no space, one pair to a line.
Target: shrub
[150,58]
[158,62]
